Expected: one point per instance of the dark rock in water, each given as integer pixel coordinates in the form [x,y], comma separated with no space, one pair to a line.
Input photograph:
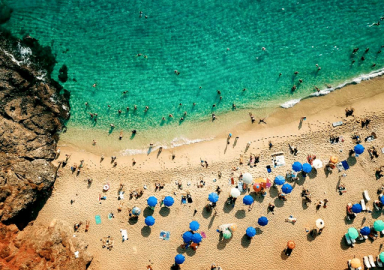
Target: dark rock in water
[63,73]
[42,247]
[5,13]
[32,111]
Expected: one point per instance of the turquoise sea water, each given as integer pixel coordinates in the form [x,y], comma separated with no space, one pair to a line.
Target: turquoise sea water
[99,41]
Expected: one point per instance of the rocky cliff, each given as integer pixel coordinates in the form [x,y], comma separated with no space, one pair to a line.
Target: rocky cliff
[33,108]
[42,247]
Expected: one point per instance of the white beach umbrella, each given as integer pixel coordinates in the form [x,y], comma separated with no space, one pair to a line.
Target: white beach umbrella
[317,164]
[247,178]
[320,223]
[235,192]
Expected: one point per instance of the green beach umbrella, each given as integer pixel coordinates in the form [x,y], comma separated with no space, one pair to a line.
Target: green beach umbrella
[227,234]
[381,256]
[378,225]
[353,233]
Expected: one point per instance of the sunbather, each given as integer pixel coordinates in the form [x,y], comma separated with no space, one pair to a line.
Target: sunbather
[76,226]
[87,225]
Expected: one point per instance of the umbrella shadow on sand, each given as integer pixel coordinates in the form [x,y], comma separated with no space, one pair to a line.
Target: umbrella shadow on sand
[351,161]
[312,174]
[223,243]
[283,256]
[146,231]
[278,202]
[164,211]
[133,220]
[190,252]
[343,245]
[273,192]
[240,214]
[206,214]
[227,208]
[148,212]
[245,241]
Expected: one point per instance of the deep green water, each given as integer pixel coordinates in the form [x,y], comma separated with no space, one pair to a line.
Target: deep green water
[99,41]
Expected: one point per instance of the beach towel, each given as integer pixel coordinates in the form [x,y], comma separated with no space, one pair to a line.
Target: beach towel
[183,200]
[98,219]
[164,235]
[240,186]
[269,170]
[124,235]
[345,165]
[203,234]
[339,123]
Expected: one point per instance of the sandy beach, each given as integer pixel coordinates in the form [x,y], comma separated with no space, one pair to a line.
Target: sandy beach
[266,250]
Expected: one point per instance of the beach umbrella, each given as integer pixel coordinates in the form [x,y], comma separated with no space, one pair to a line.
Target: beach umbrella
[149,221]
[291,244]
[333,159]
[196,238]
[194,225]
[136,211]
[356,208]
[233,227]
[152,201]
[287,188]
[353,233]
[213,197]
[251,232]
[248,200]
[320,223]
[378,225]
[365,230]
[247,178]
[359,149]
[355,263]
[235,192]
[256,187]
[317,164]
[262,221]
[168,201]
[179,259]
[279,180]
[307,168]
[381,256]
[227,234]
[187,237]
[297,166]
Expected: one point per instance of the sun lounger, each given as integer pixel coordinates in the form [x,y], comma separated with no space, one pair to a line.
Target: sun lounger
[379,263]
[345,164]
[371,261]
[363,207]
[366,262]
[124,234]
[366,196]
[348,240]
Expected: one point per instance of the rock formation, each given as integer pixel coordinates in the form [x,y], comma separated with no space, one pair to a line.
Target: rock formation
[42,247]
[32,110]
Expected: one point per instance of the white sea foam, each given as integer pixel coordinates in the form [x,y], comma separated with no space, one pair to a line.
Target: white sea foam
[176,142]
[323,92]
[25,53]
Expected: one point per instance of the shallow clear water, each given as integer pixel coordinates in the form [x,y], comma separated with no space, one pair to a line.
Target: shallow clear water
[99,41]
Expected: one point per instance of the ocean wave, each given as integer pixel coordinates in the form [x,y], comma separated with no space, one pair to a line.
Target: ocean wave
[323,92]
[176,142]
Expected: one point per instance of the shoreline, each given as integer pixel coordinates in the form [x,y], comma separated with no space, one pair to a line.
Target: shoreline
[241,122]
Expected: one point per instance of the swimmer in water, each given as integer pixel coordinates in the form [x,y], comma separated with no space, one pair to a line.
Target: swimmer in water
[86,104]
[170,116]
[146,108]
[293,88]
[264,49]
[200,87]
[280,74]
[221,97]
[109,106]
[373,65]
[300,81]
[366,50]
[362,58]
[180,104]
[112,126]
[135,107]
[177,72]
[94,85]
[125,92]
[214,105]
[127,109]
[119,111]
[194,104]
[296,72]
[244,89]
[163,119]
[91,114]
[355,50]
[218,92]
[181,119]
[185,113]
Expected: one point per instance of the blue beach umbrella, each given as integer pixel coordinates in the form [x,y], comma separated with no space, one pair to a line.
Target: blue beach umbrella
[179,259]
[248,200]
[251,232]
[213,197]
[194,225]
[152,201]
[262,221]
[196,238]
[168,201]
[359,149]
[307,168]
[382,199]
[365,230]
[297,166]
[356,208]
[149,221]
[187,237]
[287,188]
[279,180]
